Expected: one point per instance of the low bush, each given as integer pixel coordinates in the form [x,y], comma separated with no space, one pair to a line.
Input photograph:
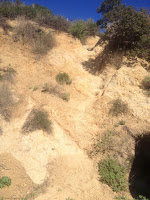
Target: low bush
[118,107]
[113,174]
[82,29]
[65,96]
[32,35]
[37,120]
[146,83]
[79,30]
[5,181]
[6,101]
[63,78]
[106,144]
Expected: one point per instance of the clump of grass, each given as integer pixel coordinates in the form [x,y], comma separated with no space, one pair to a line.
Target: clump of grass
[37,120]
[1,131]
[5,181]
[52,89]
[40,41]
[146,85]
[118,107]
[113,174]
[65,96]
[6,101]
[63,78]
[106,143]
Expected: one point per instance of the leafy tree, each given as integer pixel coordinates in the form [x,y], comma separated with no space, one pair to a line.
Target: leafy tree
[127,30]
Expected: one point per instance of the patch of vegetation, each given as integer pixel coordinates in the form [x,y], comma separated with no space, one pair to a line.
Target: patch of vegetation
[106,144]
[121,198]
[81,29]
[118,107]
[32,35]
[35,88]
[63,78]
[127,30]
[65,96]
[142,198]
[1,77]
[6,101]
[113,174]
[37,120]
[1,131]
[5,181]
[69,198]
[146,85]
[40,14]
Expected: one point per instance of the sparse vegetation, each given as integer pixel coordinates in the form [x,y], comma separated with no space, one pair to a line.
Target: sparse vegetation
[6,101]
[37,119]
[65,96]
[121,198]
[106,143]
[146,85]
[5,181]
[113,174]
[32,35]
[118,107]
[63,78]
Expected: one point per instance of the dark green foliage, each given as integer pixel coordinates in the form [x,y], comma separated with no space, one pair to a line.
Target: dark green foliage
[37,120]
[63,78]
[127,30]
[118,107]
[113,174]
[5,181]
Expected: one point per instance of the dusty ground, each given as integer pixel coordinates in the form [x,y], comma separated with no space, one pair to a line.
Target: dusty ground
[64,158]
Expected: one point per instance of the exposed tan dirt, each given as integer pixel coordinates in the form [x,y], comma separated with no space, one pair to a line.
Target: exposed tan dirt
[65,158]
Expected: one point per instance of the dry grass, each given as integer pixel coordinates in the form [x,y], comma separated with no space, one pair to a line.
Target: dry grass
[6,101]
[37,120]
[40,41]
[118,107]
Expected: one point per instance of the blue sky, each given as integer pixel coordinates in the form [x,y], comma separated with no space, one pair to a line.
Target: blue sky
[77,9]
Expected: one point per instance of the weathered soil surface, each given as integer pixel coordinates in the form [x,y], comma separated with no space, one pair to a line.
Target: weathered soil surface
[63,164]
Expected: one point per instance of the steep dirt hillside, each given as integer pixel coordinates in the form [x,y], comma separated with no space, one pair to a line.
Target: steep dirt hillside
[62,165]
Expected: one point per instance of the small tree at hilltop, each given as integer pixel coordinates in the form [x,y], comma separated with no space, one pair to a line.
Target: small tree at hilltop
[127,30]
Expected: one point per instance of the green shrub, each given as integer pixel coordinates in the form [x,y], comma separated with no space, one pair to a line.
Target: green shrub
[37,120]
[146,83]
[5,181]
[65,96]
[92,28]
[118,107]
[63,78]
[79,30]
[32,35]
[113,174]
[121,198]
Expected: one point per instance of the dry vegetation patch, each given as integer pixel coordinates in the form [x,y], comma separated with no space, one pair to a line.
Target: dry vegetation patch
[6,101]
[37,120]
[40,41]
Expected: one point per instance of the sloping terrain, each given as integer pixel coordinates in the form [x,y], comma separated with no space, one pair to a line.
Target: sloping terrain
[62,164]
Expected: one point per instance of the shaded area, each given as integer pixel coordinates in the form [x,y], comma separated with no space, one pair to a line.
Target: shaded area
[5,26]
[107,56]
[139,179]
